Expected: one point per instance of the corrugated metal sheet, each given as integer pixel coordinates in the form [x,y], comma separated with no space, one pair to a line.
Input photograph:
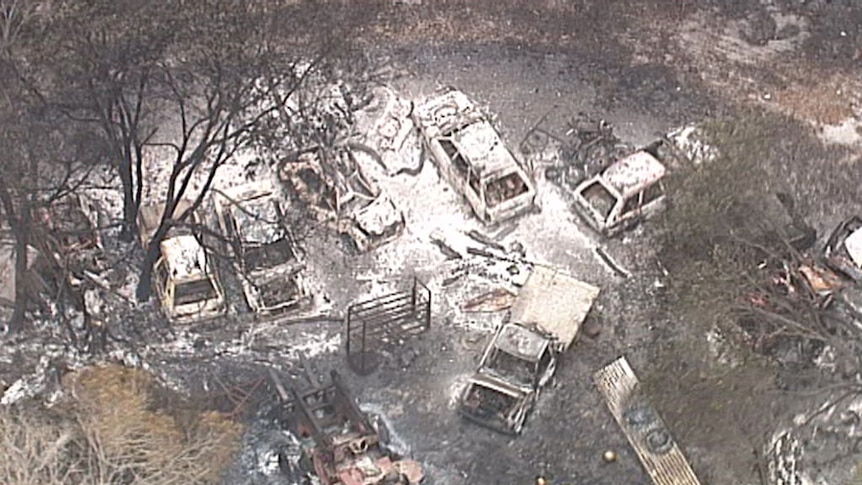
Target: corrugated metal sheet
[662,459]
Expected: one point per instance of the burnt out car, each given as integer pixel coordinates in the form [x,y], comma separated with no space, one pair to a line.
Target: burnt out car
[624,194]
[331,185]
[522,356]
[517,363]
[843,249]
[266,258]
[185,278]
[471,155]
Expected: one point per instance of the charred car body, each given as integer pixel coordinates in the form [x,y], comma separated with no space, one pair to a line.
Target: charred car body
[517,363]
[335,189]
[184,277]
[340,444]
[266,257]
[470,153]
[627,192]
[522,356]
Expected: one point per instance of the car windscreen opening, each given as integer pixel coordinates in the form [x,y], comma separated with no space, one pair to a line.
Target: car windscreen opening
[504,188]
[487,402]
[600,199]
[194,291]
[513,369]
[270,255]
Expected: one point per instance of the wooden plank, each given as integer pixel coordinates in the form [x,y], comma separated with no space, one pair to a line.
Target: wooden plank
[555,302]
[662,459]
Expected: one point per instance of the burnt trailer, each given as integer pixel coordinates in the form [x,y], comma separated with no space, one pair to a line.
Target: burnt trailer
[340,444]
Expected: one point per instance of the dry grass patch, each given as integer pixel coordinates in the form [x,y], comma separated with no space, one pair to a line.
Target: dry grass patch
[111,431]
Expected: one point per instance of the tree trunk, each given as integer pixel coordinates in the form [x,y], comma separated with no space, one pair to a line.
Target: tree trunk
[22,241]
[145,281]
[130,206]
[19,222]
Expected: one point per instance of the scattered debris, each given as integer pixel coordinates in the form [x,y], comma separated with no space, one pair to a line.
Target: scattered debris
[493,301]
[583,148]
[479,237]
[446,249]
[609,261]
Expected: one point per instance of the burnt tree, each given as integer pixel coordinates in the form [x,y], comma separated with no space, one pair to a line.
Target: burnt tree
[38,164]
[106,57]
[215,100]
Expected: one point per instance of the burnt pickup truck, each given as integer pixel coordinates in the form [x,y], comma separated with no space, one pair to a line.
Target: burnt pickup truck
[522,356]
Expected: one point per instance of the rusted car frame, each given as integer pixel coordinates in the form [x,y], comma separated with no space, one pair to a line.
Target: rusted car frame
[342,446]
[266,258]
[470,153]
[516,364]
[334,188]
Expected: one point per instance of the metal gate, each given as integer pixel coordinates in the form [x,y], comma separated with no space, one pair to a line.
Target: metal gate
[385,321]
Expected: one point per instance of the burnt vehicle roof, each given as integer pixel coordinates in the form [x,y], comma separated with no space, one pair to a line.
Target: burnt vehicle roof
[522,342]
[484,150]
[312,176]
[185,257]
[634,173]
[258,221]
[454,115]
[445,112]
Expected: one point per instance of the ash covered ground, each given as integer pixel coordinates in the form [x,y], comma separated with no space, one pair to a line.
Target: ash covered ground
[643,67]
